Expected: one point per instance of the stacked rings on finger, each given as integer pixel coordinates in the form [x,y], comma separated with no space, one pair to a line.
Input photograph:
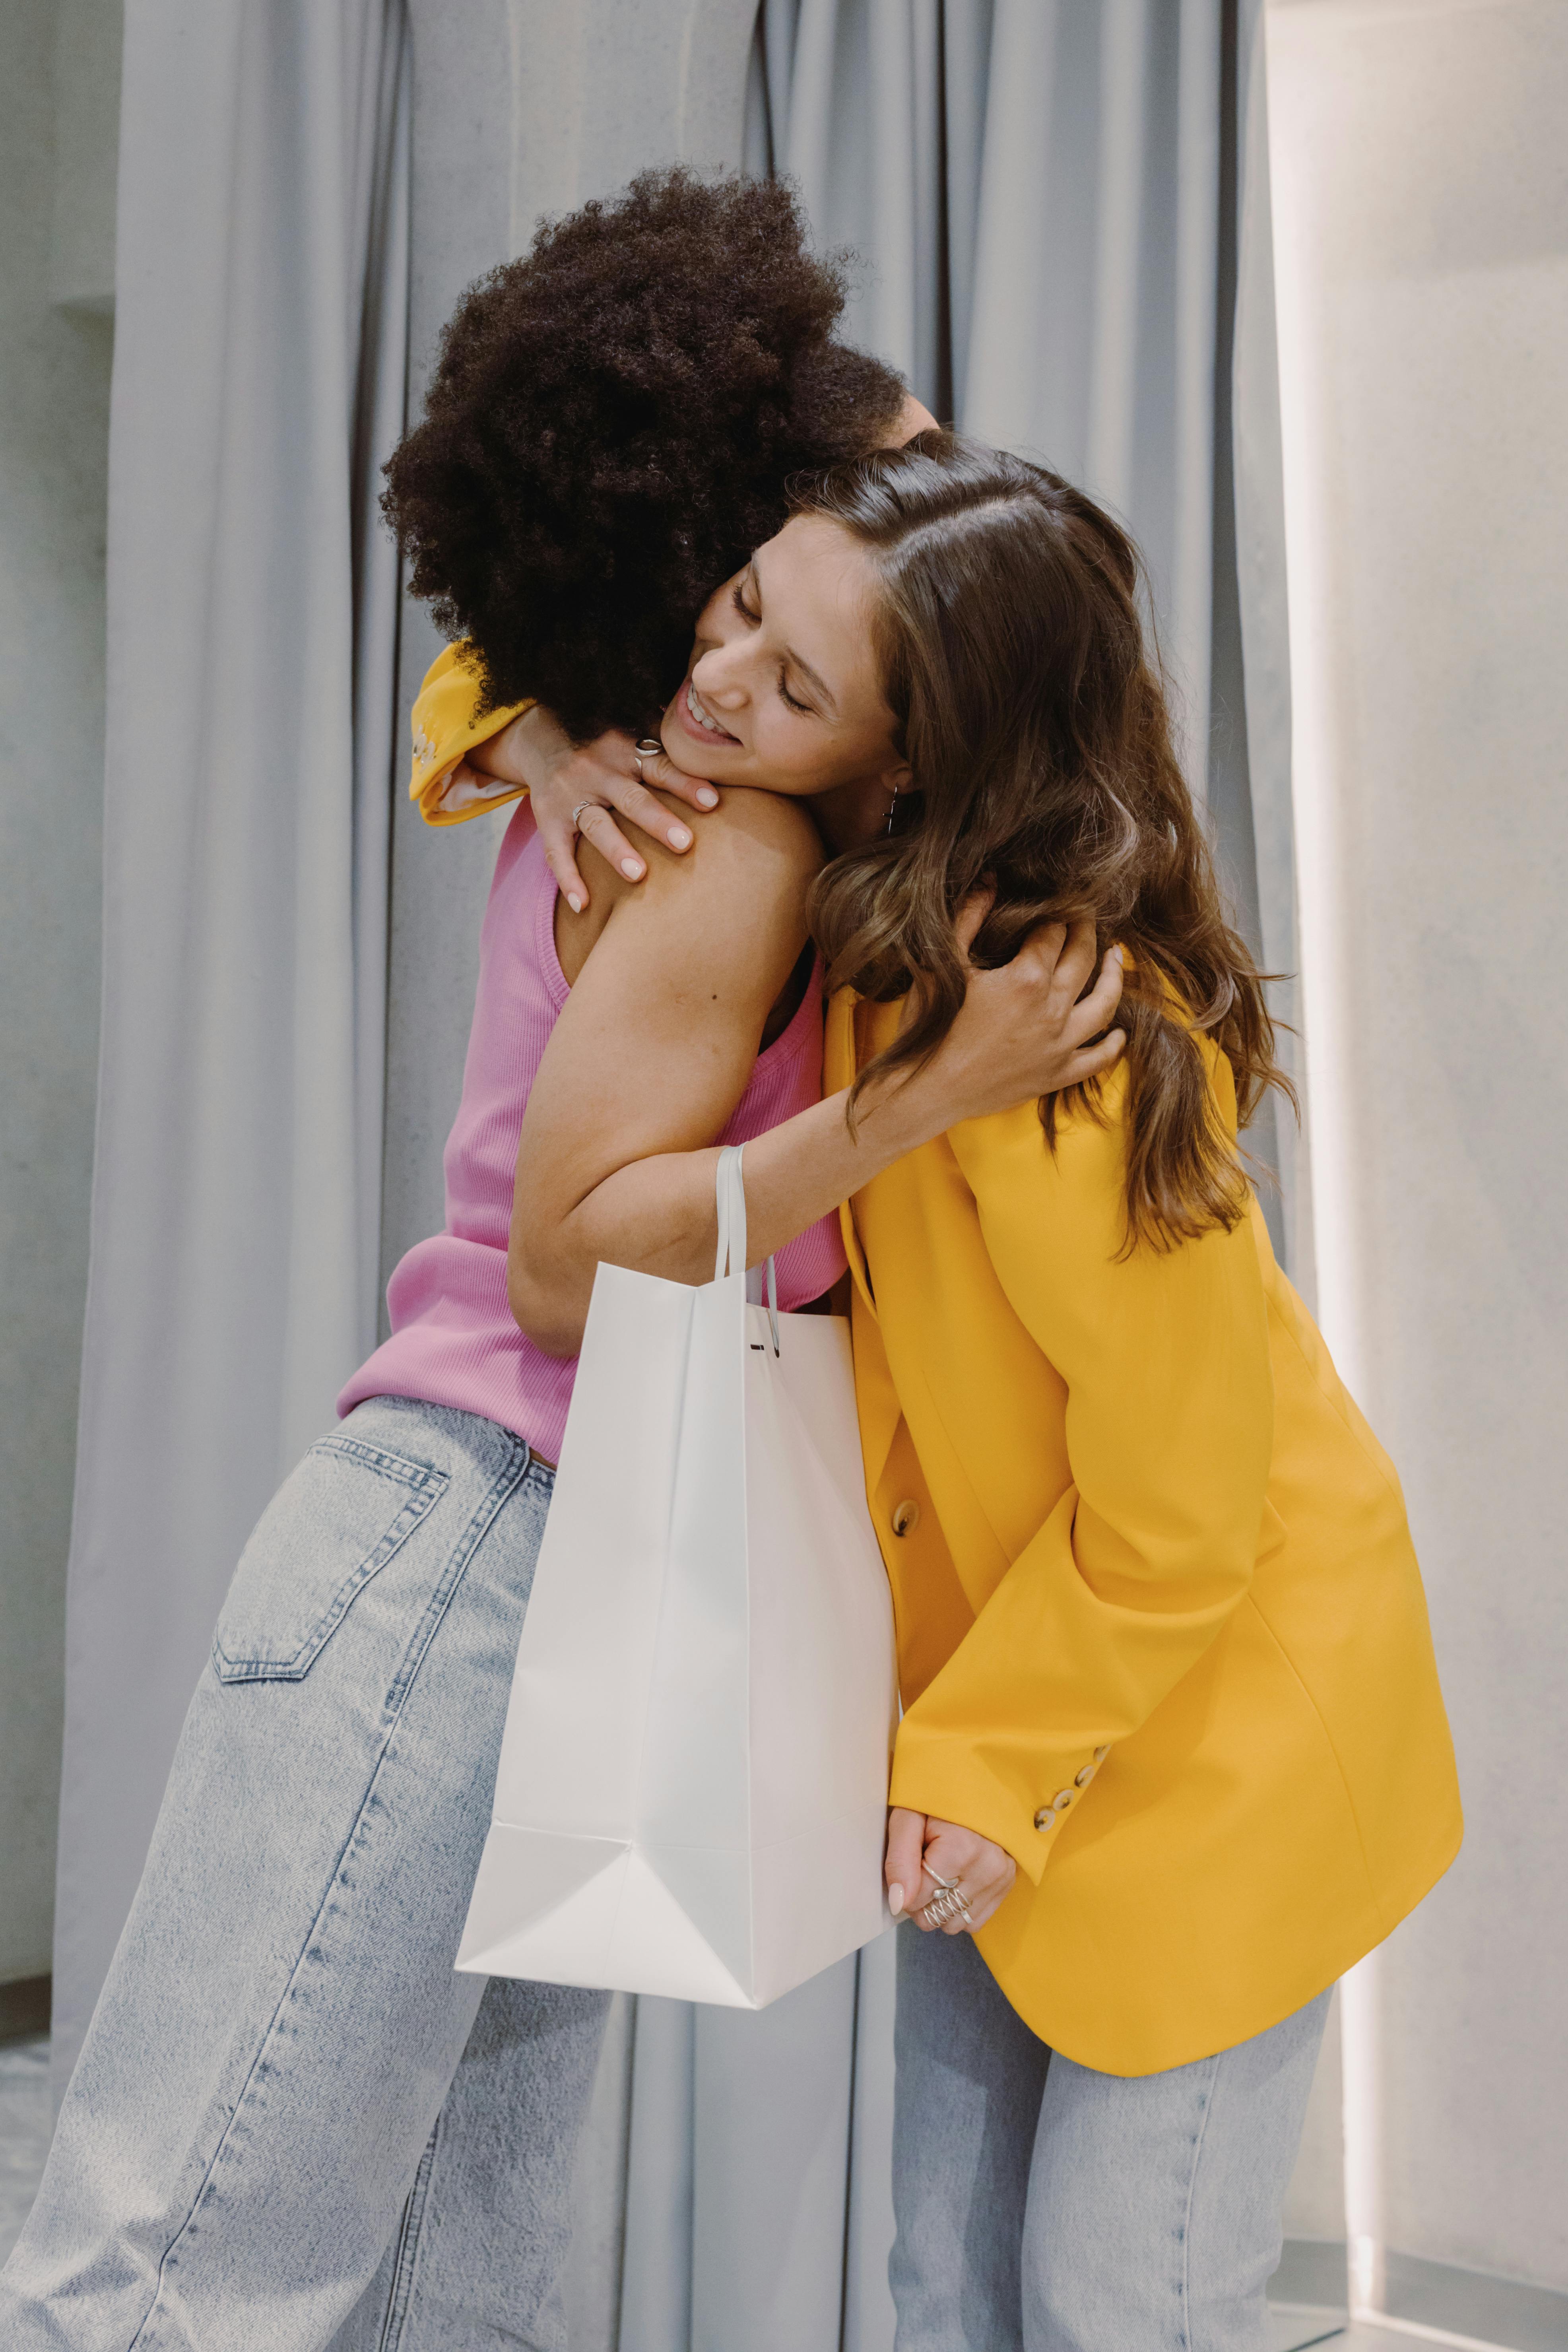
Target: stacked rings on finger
[949,1901]
[649,748]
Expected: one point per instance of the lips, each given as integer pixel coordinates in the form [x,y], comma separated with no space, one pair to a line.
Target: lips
[699,721]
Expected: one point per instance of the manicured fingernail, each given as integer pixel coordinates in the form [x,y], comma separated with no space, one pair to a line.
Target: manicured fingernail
[679,837]
[573,902]
[707,797]
[895,1898]
[631,869]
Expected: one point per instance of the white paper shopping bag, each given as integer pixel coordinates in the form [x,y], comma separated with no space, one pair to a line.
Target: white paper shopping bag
[694,1774]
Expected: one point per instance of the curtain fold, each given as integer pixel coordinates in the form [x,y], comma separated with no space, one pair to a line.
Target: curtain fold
[1033,187]
[260,356]
[1265,628]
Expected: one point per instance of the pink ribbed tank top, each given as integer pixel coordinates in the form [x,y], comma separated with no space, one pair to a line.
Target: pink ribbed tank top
[453,1339]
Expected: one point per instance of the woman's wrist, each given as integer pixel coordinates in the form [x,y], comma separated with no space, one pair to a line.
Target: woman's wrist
[523,751]
[900,1109]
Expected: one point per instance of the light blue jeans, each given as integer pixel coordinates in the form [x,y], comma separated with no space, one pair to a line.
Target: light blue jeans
[1044,2207]
[292,2124]
[293,2127]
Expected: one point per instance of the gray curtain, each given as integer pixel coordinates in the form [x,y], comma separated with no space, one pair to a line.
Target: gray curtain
[1044,196]
[1258,643]
[1047,200]
[1037,191]
[259,368]
[1034,186]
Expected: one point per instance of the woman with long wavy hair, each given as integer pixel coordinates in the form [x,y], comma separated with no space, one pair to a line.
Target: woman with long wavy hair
[1172,1754]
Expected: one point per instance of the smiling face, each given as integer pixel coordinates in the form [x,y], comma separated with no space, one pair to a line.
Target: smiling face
[784,693]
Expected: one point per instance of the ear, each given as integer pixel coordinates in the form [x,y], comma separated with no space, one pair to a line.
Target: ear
[897,777]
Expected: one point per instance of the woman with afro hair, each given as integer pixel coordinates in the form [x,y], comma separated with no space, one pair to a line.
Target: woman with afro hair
[292,2124]
[612,428]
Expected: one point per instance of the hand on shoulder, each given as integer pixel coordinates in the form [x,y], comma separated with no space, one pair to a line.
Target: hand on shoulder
[735,899]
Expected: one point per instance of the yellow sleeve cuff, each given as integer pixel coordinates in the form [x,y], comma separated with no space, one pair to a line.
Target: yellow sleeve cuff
[446,730]
[951,1781]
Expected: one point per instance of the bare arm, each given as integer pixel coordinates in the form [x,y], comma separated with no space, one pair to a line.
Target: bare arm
[655,1048]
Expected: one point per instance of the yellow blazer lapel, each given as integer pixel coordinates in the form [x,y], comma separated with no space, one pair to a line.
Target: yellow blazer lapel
[838,1066]
[876,1396]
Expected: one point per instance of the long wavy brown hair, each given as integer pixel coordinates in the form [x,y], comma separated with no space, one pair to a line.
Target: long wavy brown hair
[1034,724]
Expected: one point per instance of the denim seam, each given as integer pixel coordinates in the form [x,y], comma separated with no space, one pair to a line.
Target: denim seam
[408,2246]
[1187,2215]
[504,1484]
[389,1465]
[436,1606]
[416,1508]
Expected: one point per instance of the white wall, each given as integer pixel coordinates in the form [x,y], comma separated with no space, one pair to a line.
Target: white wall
[54,427]
[1421,239]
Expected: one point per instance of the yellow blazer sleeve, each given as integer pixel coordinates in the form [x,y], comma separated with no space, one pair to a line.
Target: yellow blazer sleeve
[1170,1418]
[445,730]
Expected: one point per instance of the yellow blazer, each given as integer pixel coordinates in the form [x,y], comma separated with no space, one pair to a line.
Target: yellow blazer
[445,730]
[1161,1633]
[1161,1627]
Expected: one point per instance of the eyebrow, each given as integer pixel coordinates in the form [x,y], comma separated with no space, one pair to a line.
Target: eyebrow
[812,677]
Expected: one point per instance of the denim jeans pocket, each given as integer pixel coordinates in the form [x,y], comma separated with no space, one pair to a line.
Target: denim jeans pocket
[335,1521]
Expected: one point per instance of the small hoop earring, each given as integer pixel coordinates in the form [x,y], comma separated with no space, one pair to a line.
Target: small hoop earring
[892,811]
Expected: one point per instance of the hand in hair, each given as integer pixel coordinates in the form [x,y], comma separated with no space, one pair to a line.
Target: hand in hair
[1026,1027]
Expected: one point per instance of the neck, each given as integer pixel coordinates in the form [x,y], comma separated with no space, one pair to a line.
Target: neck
[849,815]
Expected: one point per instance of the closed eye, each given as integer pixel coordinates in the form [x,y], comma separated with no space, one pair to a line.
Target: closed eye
[738,598]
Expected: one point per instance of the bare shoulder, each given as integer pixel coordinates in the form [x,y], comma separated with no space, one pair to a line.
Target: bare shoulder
[756,851]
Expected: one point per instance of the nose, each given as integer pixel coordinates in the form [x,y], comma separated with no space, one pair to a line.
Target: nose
[718,675]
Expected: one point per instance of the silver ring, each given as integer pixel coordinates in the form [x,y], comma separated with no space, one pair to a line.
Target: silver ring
[649,748]
[949,1901]
[577,812]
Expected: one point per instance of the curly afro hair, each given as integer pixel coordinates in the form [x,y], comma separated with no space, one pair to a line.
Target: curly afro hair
[612,424]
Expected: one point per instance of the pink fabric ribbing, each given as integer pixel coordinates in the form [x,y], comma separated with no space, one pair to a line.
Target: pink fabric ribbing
[453,1339]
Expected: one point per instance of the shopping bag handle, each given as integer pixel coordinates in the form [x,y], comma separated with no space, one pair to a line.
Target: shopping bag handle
[729,1185]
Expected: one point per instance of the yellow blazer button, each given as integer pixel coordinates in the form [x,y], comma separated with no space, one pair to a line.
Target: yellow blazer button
[906,1518]
[1101,1754]
[1081,1780]
[1045,1819]
[1062,1799]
